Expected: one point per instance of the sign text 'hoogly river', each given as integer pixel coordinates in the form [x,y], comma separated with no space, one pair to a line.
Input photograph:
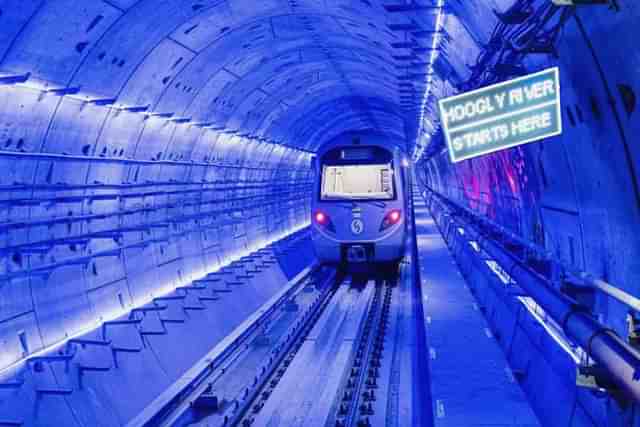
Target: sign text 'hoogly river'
[503,115]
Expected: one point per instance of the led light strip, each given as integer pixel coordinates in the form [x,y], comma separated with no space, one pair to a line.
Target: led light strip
[437,37]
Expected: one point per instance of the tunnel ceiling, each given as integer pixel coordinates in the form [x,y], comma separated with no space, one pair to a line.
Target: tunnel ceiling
[295,72]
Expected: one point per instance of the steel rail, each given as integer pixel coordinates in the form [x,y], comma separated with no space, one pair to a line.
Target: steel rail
[361,396]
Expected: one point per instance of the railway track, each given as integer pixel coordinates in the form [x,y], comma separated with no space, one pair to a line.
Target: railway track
[359,397]
[330,367]
[252,402]
[330,363]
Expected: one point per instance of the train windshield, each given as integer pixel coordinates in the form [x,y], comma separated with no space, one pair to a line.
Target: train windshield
[357,182]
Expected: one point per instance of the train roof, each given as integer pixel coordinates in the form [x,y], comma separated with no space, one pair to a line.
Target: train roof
[363,138]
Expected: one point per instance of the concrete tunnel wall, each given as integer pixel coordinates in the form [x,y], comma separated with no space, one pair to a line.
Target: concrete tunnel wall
[145,142]
[575,195]
[111,374]
[85,236]
[103,208]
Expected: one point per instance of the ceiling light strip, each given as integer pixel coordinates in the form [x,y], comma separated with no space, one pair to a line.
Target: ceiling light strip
[437,37]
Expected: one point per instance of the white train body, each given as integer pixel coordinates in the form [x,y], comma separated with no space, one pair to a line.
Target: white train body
[359,208]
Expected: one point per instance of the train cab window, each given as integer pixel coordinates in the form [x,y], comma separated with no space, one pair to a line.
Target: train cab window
[357,174]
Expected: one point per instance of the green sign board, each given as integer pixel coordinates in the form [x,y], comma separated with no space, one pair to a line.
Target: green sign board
[503,115]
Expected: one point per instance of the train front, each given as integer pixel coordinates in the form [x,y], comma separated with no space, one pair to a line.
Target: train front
[359,210]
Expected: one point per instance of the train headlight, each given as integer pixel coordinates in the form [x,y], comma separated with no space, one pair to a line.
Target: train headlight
[323,220]
[391,218]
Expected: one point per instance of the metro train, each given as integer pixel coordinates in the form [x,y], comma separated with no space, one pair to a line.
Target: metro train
[359,208]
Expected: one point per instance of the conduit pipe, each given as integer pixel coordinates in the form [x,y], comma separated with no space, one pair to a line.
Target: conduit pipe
[613,354]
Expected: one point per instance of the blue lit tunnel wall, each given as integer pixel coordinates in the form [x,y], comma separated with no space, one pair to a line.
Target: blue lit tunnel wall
[110,374]
[104,206]
[143,143]
[85,238]
[574,195]
[256,67]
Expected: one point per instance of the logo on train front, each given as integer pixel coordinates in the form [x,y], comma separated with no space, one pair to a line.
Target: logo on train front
[357,226]
[503,115]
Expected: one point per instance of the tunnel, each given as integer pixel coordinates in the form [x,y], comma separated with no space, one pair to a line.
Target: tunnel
[159,166]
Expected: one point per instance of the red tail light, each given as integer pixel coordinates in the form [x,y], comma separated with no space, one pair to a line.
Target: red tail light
[323,220]
[392,218]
